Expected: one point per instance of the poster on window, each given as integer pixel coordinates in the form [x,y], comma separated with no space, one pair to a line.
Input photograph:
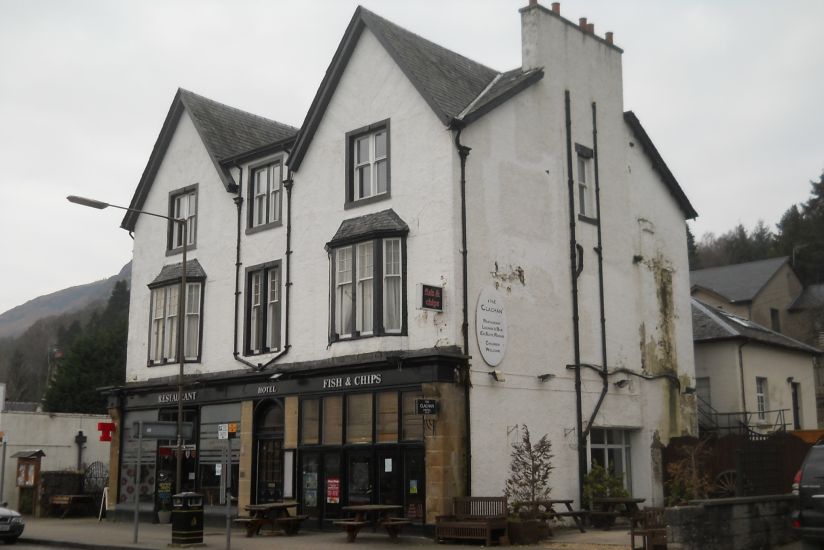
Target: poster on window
[333,490]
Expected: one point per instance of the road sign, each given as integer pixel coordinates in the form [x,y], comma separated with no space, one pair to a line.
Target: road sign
[164,430]
[227,431]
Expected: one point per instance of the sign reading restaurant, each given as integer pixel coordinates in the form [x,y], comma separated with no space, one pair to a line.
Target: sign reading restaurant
[172,397]
[490,327]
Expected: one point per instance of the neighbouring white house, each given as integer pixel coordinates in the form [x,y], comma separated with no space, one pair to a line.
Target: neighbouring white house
[748,376]
[496,248]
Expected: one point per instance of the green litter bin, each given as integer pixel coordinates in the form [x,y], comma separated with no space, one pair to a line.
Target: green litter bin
[187,519]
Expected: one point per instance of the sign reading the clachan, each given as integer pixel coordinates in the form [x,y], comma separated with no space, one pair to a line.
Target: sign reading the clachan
[490,327]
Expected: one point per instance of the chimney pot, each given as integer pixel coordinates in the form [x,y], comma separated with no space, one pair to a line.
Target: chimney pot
[582,22]
[608,37]
[591,28]
[556,7]
[533,3]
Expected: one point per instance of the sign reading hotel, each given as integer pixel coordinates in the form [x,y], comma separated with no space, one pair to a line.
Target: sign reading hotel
[490,327]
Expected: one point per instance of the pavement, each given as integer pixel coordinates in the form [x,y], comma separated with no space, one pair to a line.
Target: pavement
[111,535]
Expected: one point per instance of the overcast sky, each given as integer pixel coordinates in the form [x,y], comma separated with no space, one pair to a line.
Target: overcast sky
[731,93]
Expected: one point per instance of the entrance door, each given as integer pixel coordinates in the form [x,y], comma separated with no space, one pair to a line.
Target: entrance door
[390,477]
[414,483]
[269,470]
[359,469]
[310,472]
[332,485]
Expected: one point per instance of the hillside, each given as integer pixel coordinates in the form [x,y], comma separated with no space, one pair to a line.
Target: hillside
[16,320]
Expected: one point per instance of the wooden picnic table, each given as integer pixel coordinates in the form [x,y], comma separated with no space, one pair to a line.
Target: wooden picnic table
[546,510]
[577,516]
[609,508]
[275,515]
[381,514]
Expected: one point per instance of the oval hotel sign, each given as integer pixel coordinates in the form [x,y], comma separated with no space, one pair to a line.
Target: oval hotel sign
[490,327]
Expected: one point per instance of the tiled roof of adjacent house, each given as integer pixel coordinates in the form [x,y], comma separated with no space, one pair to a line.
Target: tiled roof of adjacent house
[711,324]
[172,272]
[737,282]
[226,133]
[659,165]
[448,81]
[383,223]
[811,297]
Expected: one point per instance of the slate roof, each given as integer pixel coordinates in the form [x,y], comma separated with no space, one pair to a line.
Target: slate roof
[380,224]
[659,165]
[448,81]
[711,324]
[226,133]
[811,297]
[172,272]
[737,282]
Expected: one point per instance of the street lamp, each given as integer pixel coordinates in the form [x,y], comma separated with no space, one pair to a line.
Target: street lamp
[181,312]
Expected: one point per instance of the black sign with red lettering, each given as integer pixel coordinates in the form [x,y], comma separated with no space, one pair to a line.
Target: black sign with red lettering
[432,297]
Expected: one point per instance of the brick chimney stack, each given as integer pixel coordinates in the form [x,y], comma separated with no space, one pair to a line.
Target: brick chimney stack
[556,8]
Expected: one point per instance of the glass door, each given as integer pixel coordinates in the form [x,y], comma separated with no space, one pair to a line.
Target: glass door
[310,472]
[359,466]
[332,485]
[414,483]
[390,477]
[269,470]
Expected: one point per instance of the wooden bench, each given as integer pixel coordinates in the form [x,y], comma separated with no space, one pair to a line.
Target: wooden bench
[69,502]
[253,525]
[290,524]
[393,526]
[474,518]
[352,527]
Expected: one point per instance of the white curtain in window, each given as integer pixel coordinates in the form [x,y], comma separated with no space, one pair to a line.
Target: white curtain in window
[158,322]
[392,285]
[365,286]
[343,296]
[273,327]
[192,320]
[172,306]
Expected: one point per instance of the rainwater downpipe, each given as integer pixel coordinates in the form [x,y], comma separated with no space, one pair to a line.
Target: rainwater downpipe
[575,267]
[741,372]
[600,251]
[463,153]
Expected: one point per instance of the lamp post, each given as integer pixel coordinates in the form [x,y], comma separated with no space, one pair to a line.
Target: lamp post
[181,312]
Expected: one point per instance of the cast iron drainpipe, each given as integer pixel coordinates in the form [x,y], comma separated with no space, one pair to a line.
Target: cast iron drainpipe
[239,203]
[741,371]
[575,266]
[463,153]
[600,251]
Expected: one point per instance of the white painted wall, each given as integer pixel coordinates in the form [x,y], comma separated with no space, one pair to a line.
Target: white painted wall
[54,434]
[518,217]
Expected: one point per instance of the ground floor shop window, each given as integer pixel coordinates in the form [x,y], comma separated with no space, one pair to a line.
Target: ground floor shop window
[610,449]
[369,451]
[128,460]
[212,453]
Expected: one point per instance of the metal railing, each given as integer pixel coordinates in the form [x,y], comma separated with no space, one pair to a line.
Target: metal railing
[742,422]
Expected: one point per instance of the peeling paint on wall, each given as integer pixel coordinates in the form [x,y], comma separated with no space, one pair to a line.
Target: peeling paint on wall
[504,279]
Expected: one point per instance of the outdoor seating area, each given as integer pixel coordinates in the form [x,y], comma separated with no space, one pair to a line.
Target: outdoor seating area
[375,514]
[474,518]
[274,516]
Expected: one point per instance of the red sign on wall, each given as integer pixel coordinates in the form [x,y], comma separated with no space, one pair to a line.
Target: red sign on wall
[105,429]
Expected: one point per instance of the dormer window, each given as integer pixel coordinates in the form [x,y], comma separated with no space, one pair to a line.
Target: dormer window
[367,152]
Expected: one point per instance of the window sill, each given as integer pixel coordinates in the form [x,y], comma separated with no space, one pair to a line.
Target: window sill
[334,339]
[587,219]
[369,200]
[248,353]
[151,364]
[263,227]
[179,250]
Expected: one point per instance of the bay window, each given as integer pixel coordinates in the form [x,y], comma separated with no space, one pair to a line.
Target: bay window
[164,323]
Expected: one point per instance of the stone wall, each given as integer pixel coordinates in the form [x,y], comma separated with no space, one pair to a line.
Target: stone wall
[749,523]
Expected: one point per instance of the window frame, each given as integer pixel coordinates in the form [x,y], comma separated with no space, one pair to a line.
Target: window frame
[272,219]
[171,231]
[378,289]
[351,140]
[761,397]
[166,358]
[584,190]
[263,322]
[624,446]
